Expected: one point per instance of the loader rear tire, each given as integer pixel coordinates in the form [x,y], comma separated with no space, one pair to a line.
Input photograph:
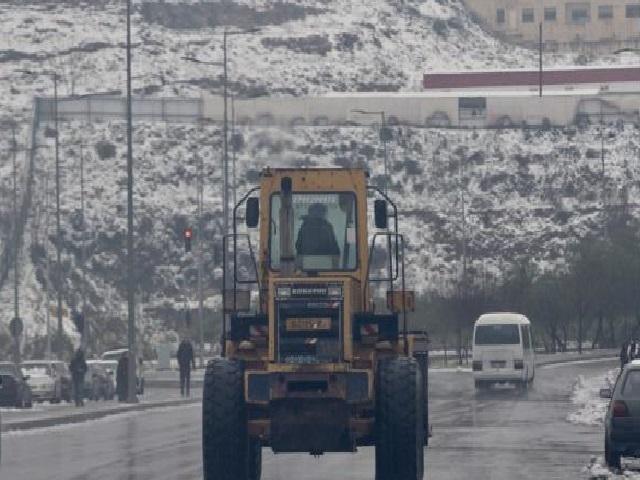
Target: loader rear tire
[399,420]
[225,442]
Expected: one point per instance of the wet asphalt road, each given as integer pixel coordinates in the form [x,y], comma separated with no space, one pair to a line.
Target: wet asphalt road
[499,435]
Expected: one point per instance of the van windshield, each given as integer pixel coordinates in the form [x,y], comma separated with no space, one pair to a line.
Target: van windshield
[497,335]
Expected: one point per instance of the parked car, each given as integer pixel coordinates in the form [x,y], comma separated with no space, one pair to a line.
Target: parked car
[14,390]
[44,380]
[115,355]
[622,421]
[98,383]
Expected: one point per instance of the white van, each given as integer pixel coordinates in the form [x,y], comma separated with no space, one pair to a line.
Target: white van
[502,350]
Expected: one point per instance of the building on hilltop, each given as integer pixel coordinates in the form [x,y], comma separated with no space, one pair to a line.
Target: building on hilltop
[601,25]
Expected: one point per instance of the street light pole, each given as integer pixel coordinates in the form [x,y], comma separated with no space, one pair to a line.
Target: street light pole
[58,230]
[200,241]
[131,374]
[85,330]
[16,292]
[225,181]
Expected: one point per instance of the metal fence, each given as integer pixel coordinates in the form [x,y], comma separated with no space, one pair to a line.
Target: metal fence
[96,108]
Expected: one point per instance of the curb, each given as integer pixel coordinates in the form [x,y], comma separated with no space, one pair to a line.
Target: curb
[552,361]
[86,416]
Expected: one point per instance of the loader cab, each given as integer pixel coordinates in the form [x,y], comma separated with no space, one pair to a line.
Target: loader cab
[313,272]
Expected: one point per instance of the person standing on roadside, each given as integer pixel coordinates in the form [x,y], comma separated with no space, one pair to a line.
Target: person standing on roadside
[78,368]
[186,360]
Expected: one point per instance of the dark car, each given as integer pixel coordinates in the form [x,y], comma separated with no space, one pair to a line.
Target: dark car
[14,390]
[622,422]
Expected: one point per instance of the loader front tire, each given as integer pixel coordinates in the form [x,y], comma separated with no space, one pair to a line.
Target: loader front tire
[226,449]
[399,420]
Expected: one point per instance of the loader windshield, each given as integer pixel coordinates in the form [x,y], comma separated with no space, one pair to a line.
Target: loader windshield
[324,231]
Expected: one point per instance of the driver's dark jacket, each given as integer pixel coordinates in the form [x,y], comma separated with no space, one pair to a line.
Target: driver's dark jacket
[316,237]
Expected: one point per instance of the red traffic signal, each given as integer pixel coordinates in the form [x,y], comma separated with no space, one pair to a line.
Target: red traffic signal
[188,235]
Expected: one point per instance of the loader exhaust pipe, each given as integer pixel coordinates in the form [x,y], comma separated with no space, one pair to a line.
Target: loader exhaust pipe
[287,257]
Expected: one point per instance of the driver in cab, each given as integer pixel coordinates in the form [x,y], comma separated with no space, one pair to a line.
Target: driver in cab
[316,237]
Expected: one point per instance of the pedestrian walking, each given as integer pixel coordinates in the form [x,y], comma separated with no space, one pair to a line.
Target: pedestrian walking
[122,376]
[186,360]
[78,368]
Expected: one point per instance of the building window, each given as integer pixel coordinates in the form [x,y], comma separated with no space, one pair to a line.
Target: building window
[578,13]
[500,16]
[527,15]
[633,11]
[605,12]
[472,108]
[550,14]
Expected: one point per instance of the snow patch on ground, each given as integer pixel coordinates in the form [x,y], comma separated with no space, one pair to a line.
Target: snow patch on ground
[591,408]
[597,470]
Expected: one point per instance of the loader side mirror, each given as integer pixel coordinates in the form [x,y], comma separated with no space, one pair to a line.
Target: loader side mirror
[253,212]
[380,214]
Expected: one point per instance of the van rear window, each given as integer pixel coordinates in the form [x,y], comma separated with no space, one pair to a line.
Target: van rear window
[497,335]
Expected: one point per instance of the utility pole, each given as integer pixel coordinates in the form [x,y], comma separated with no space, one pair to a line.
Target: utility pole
[58,231]
[383,137]
[540,59]
[464,260]
[225,180]
[199,245]
[47,264]
[16,250]
[235,148]
[131,325]
[85,330]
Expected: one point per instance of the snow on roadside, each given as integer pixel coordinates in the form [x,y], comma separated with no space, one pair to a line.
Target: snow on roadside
[590,407]
[597,470]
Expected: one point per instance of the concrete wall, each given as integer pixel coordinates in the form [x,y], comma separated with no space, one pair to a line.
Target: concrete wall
[565,32]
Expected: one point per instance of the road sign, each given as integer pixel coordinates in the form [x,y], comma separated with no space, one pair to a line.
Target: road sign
[16,327]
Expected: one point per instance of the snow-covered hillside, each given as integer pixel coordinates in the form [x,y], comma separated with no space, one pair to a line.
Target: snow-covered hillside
[525,193]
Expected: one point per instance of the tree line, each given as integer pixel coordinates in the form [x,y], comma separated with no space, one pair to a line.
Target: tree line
[590,299]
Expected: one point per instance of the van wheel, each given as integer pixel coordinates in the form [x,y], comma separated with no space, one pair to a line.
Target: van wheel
[399,420]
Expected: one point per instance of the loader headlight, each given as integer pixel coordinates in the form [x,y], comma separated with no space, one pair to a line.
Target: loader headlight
[334,291]
[283,292]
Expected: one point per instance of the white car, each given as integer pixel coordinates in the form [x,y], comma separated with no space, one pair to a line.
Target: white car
[503,350]
[45,385]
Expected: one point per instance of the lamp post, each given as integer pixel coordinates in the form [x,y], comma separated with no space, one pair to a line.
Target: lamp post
[225,127]
[384,137]
[131,325]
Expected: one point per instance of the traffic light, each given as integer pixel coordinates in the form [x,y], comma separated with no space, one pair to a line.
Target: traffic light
[188,235]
